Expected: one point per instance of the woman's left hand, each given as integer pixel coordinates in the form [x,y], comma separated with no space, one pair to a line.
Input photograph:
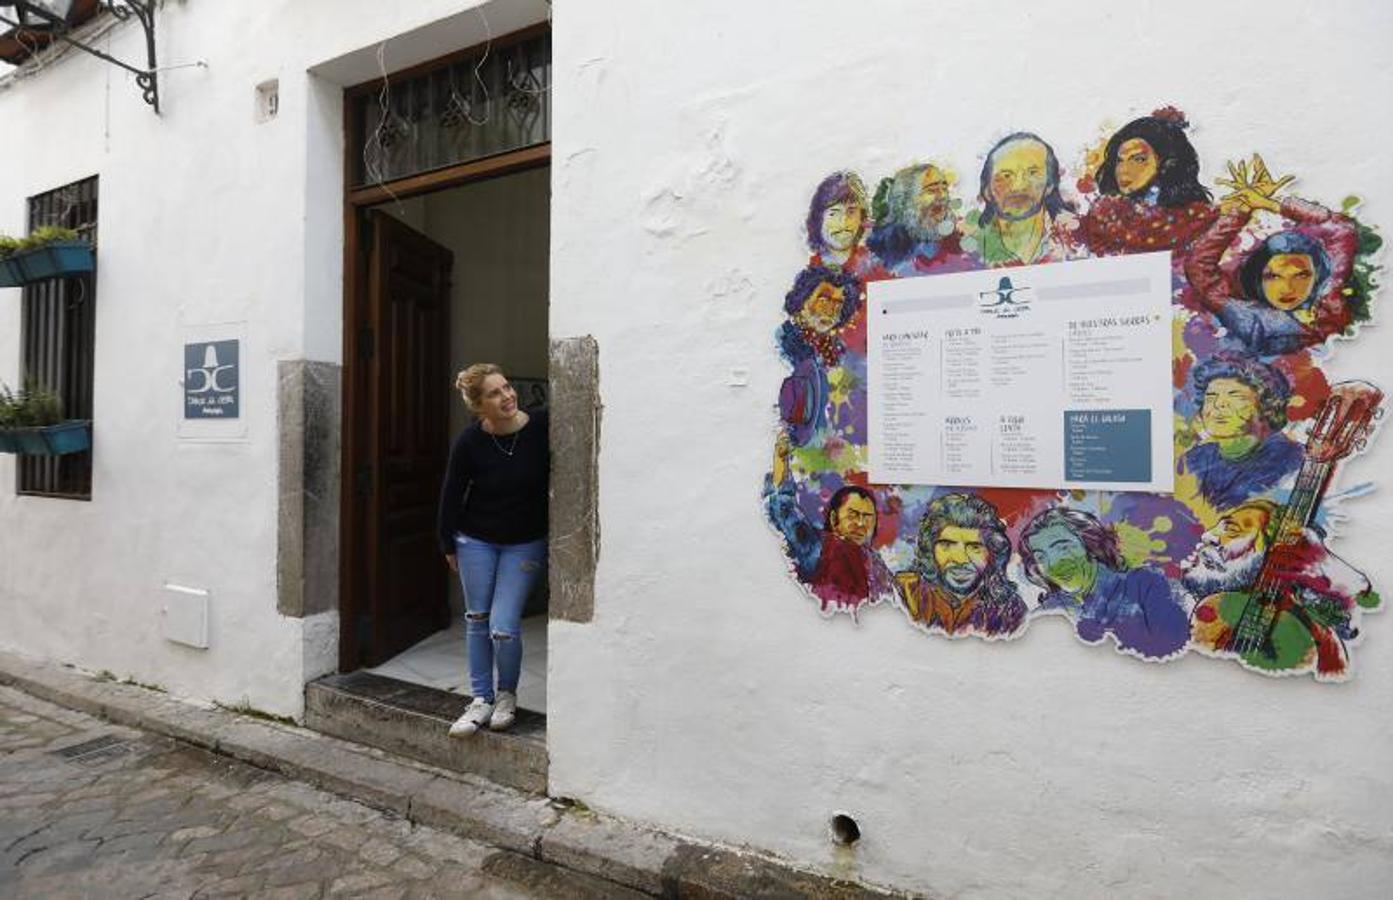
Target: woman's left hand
[452,562]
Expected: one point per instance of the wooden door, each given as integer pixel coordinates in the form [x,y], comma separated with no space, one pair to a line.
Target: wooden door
[407,431]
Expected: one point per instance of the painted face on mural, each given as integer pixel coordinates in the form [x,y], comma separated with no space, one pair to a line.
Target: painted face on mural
[823,308]
[1287,280]
[854,520]
[497,399]
[1137,166]
[933,198]
[962,557]
[1229,554]
[1020,179]
[1063,558]
[1230,409]
[841,225]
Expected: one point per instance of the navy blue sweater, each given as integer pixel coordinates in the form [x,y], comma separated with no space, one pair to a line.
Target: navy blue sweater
[507,495]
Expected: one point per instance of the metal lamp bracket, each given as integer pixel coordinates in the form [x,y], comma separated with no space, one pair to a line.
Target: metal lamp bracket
[143,11]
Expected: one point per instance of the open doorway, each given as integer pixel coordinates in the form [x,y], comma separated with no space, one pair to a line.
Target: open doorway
[446,231]
[455,276]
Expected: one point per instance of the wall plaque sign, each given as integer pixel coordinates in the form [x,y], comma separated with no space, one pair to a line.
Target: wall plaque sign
[212,380]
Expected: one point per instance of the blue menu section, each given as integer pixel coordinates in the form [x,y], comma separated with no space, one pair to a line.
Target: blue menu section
[1107,445]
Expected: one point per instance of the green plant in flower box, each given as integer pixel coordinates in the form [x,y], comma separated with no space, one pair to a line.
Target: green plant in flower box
[33,406]
[39,237]
[31,421]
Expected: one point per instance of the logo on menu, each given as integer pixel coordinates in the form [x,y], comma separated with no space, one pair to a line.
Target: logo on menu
[1006,301]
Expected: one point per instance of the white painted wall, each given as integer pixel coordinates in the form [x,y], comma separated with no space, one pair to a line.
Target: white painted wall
[707,694]
[205,217]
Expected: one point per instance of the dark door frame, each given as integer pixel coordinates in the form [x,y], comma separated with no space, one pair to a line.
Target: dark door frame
[357,452]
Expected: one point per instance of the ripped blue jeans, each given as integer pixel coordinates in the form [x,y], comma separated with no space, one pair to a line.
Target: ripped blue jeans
[497,578]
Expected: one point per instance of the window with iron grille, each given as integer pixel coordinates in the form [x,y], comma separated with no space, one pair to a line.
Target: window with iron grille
[57,328]
[476,103]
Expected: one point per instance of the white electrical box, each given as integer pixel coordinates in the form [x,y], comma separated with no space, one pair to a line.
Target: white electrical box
[185,614]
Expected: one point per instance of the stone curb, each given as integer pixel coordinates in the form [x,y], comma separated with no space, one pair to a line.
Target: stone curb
[643,859]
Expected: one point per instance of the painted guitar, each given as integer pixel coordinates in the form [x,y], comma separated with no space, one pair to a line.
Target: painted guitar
[1270,625]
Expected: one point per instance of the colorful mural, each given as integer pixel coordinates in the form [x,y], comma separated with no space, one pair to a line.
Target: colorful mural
[1236,563]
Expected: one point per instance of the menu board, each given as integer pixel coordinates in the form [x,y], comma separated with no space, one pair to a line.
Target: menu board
[1048,376]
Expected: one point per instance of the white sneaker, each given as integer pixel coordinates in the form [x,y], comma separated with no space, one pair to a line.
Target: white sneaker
[474,717]
[505,712]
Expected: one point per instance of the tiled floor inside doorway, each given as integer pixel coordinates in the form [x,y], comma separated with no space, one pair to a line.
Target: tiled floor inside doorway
[440,661]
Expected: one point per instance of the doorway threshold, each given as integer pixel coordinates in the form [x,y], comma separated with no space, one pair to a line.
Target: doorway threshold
[442,661]
[413,721]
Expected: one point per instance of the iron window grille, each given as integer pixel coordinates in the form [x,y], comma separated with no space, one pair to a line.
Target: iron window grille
[482,102]
[57,332]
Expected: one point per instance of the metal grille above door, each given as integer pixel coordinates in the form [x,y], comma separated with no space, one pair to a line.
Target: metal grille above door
[57,332]
[479,103]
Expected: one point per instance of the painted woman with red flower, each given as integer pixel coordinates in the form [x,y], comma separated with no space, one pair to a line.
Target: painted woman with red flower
[1150,193]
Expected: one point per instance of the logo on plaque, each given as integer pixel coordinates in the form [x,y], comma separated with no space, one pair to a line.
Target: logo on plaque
[211,380]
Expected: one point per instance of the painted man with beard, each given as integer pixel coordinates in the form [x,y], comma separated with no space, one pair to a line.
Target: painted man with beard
[1077,560]
[959,584]
[1230,556]
[1021,203]
[916,229]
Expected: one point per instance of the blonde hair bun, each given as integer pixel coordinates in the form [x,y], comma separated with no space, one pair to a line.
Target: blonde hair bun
[470,383]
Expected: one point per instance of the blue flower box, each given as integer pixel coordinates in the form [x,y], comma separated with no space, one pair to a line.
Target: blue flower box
[56,260]
[72,436]
[29,441]
[10,273]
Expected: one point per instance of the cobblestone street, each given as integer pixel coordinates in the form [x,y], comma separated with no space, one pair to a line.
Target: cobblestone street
[90,809]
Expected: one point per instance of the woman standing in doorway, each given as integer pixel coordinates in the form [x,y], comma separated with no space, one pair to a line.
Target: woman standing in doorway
[492,526]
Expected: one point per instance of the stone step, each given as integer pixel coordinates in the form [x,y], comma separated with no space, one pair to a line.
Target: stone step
[413,721]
